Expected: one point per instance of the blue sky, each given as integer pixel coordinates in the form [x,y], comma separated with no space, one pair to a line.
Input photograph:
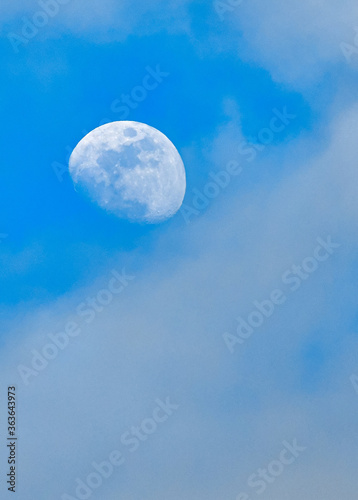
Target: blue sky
[164,336]
[54,91]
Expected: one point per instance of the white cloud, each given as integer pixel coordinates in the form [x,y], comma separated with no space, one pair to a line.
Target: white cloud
[297,41]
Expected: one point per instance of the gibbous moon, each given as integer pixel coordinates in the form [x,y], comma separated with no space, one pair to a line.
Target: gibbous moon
[130,169]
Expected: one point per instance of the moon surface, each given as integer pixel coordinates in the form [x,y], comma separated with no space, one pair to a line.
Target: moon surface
[130,169]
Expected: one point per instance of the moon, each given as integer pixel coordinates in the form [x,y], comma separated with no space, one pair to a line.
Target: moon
[131,170]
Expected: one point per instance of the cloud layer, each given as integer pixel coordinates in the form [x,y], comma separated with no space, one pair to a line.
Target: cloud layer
[162,337]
